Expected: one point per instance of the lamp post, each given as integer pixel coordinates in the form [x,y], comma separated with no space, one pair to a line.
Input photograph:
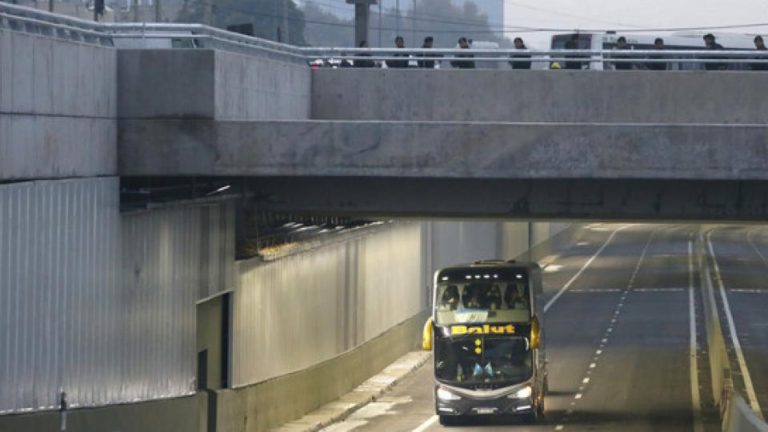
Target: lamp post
[362,15]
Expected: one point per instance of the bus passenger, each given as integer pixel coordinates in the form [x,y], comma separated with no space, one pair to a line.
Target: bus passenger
[450,298]
[492,298]
[760,46]
[519,44]
[515,297]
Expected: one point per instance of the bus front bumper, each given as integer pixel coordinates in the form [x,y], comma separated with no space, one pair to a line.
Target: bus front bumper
[449,403]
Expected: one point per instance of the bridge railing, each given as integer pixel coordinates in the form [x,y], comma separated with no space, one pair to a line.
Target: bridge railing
[171,35]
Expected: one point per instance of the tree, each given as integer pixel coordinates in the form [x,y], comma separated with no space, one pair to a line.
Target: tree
[272,19]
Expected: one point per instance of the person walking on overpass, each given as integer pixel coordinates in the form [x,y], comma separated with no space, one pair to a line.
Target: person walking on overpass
[399,43]
[463,64]
[760,46]
[658,45]
[710,43]
[520,45]
[621,45]
[572,44]
[363,63]
[427,64]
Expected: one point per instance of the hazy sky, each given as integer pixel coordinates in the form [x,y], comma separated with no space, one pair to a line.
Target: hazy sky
[607,14]
[625,14]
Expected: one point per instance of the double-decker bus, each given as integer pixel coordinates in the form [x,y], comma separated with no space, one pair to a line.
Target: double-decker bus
[487,338]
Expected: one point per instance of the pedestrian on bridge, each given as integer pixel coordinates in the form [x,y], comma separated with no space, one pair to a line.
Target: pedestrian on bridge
[428,64]
[463,64]
[399,43]
[760,46]
[710,43]
[621,45]
[520,45]
[658,45]
[364,63]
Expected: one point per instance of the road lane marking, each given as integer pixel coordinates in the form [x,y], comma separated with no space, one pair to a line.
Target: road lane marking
[596,290]
[559,427]
[698,426]
[578,396]
[748,291]
[653,290]
[750,388]
[585,381]
[752,243]
[422,427]
[583,268]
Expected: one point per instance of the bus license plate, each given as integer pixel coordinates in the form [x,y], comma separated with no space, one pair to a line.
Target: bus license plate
[485,410]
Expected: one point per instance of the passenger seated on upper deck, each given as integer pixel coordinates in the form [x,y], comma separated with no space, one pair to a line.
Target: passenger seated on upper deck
[472,297]
[450,298]
[515,297]
[492,297]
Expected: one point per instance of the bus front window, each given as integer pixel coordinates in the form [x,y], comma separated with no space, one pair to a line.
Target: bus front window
[498,361]
[483,302]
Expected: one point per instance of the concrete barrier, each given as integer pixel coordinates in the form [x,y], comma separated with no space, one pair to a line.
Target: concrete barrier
[739,417]
[735,413]
[187,414]
[265,405]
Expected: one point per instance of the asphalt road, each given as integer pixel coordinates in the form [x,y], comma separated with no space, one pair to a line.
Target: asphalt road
[624,352]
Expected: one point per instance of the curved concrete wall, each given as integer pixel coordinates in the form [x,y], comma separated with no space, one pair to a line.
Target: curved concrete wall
[540,96]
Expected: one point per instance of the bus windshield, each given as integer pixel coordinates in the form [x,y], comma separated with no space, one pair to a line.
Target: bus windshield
[497,361]
[482,302]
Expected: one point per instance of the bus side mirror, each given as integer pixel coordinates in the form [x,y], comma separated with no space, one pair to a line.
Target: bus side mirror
[426,336]
[535,333]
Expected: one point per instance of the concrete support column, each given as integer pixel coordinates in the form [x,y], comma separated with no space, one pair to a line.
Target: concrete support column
[362,14]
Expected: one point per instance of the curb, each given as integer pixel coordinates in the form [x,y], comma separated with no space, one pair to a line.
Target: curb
[367,392]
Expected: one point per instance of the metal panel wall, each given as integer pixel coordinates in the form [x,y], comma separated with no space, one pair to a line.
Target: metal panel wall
[303,309]
[102,305]
[59,297]
[171,258]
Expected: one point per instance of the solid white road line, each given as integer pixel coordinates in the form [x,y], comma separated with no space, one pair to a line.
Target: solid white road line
[584,267]
[750,388]
[698,426]
[422,427]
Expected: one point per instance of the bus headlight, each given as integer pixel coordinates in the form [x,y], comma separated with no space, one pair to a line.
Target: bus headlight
[523,393]
[445,395]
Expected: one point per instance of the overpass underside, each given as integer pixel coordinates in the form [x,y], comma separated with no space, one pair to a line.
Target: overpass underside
[523,199]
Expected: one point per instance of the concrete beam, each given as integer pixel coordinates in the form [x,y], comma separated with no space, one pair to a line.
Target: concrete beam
[539,96]
[442,150]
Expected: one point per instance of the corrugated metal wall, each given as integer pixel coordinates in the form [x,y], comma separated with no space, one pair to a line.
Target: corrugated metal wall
[98,304]
[171,258]
[59,294]
[300,310]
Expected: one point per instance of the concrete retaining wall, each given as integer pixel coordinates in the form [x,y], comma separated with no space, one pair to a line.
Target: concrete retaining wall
[539,96]
[277,401]
[186,414]
[58,104]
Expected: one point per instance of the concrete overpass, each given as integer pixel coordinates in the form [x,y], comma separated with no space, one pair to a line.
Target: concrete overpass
[531,144]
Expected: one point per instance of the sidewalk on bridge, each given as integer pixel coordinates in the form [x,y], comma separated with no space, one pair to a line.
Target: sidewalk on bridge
[367,392]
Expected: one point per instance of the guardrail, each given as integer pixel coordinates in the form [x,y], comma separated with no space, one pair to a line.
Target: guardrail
[735,413]
[165,35]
